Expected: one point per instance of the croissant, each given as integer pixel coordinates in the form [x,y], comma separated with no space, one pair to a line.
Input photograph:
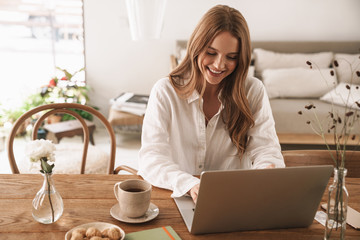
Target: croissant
[76,236]
[92,232]
[114,233]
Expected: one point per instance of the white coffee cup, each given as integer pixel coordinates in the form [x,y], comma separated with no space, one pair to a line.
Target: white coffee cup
[133,196]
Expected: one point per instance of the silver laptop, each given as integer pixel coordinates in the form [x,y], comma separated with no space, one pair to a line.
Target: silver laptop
[255,199]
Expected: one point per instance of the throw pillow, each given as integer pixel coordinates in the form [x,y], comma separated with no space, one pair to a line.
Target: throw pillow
[344,95]
[348,65]
[265,59]
[298,82]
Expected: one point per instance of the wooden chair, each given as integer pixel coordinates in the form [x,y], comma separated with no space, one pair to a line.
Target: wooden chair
[295,158]
[50,109]
[125,168]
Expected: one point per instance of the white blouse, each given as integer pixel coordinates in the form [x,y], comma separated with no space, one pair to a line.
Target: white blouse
[176,144]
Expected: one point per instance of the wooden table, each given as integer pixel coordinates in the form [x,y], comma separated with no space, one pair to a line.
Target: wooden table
[123,118]
[88,198]
[290,141]
[304,138]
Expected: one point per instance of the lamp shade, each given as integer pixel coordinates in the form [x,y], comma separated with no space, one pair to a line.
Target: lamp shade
[145,18]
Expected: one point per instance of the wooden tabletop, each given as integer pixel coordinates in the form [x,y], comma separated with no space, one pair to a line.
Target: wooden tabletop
[88,198]
[312,139]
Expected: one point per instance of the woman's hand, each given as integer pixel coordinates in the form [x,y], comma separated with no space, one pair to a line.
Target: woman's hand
[271,166]
[194,192]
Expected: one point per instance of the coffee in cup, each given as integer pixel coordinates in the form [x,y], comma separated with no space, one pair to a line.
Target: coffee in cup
[133,196]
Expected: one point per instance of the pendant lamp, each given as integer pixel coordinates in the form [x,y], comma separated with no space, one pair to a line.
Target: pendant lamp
[145,18]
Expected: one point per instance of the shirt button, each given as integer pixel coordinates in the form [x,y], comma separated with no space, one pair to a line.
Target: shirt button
[200,166]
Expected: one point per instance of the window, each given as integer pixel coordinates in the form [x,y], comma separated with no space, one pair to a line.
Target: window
[36,37]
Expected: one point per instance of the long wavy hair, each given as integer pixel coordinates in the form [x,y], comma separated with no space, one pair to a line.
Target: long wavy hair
[186,77]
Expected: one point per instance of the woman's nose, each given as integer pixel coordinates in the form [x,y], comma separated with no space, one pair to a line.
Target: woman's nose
[219,63]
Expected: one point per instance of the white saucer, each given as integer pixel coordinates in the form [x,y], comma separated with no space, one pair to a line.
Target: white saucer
[150,214]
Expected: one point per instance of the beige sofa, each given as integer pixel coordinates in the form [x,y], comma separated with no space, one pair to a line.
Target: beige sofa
[292,85]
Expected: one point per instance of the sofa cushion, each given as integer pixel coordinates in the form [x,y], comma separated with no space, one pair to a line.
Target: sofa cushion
[298,82]
[348,65]
[265,59]
[345,94]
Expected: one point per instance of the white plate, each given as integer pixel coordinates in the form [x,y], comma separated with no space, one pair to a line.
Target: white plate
[150,214]
[99,225]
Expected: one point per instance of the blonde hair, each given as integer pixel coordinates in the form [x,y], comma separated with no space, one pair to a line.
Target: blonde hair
[187,77]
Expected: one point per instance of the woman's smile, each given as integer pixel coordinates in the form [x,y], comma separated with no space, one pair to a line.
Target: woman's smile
[215,73]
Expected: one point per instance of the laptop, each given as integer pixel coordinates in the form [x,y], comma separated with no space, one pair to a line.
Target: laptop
[255,199]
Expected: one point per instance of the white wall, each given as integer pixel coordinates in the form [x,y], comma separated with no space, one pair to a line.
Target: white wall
[115,63]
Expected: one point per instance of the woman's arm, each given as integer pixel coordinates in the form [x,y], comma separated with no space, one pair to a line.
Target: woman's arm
[263,147]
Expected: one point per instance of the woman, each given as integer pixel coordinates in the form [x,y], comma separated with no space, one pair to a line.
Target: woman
[208,115]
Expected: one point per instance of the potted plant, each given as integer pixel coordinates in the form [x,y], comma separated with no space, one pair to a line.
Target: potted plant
[59,90]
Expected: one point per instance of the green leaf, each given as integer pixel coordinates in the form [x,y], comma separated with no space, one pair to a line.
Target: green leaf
[67,74]
[45,166]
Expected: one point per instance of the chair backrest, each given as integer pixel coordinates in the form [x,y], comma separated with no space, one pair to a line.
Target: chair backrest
[50,109]
[295,158]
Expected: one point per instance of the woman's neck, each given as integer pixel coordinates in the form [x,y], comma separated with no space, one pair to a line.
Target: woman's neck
[211,103]
[211,91]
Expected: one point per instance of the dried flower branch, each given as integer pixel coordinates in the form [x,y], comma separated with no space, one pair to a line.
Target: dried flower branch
[340,124]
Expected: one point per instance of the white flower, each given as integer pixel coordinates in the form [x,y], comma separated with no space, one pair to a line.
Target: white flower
[40,148]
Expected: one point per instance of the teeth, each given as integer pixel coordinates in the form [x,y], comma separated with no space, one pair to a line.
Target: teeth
[213,71]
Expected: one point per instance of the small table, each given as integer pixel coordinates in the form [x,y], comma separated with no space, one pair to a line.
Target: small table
[297,141]
[56,131]
[123,118]
[124,122]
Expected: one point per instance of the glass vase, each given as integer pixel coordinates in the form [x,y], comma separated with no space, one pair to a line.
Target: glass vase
[335,226]
[47,206]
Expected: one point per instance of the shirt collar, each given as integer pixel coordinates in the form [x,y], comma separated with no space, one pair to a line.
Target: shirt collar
[193,97]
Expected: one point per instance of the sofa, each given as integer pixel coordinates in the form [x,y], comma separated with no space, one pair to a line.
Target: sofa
[297,74]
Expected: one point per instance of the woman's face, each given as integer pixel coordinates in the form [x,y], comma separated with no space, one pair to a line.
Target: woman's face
[220,59]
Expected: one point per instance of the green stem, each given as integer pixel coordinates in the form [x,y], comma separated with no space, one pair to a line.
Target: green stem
[49,188]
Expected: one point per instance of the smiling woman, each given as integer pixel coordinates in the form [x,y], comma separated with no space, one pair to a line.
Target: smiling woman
[208,115]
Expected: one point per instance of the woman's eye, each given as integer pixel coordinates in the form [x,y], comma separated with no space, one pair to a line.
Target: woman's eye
[211,53]
[232,57]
